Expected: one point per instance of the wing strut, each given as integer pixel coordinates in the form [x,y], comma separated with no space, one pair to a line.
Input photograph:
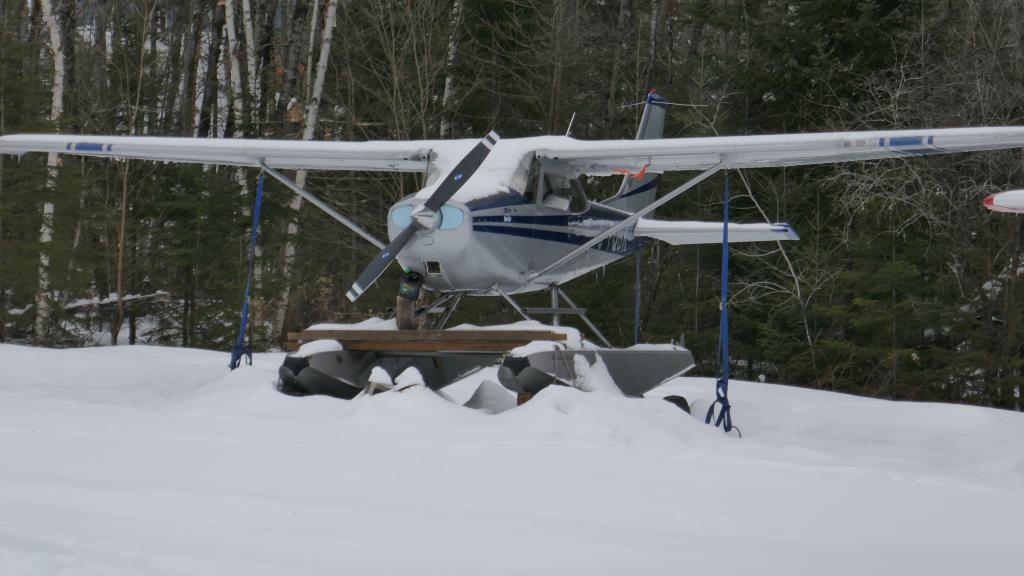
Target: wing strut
[321,205]
[631,220]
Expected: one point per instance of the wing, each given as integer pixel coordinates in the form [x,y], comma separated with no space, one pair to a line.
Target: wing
[679,233]
[397,156]
[606,157]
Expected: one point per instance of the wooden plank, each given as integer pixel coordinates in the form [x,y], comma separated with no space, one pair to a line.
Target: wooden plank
[521,336]
[294,336]
[291,346]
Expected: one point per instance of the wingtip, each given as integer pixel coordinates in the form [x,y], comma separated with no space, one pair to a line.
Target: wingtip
[787,230]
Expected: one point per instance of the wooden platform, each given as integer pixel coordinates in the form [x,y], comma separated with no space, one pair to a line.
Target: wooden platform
[425,340]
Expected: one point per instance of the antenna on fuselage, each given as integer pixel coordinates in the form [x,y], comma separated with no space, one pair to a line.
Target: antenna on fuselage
[569,129]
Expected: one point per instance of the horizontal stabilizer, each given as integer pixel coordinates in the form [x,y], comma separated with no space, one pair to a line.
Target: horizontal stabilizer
[691,232]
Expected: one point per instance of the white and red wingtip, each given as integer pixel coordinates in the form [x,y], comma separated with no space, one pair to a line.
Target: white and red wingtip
[1010,201]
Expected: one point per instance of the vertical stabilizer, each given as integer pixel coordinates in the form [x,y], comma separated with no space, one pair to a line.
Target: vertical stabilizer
[639,188]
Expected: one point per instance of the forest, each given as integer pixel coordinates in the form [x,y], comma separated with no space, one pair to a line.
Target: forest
[902,286]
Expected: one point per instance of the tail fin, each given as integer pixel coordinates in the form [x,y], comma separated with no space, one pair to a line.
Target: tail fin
[639,188]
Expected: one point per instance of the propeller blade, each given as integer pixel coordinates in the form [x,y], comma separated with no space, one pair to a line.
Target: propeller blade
[462,172]
[380,264]
[451,184]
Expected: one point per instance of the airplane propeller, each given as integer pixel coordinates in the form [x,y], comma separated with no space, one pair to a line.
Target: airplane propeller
[425,217]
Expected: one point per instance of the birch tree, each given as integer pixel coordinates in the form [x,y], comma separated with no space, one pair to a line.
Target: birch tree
[449,73]
[308,130]
[52,162]
[250,57]
[238,115]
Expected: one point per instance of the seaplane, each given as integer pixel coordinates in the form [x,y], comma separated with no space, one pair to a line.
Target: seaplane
[507,216]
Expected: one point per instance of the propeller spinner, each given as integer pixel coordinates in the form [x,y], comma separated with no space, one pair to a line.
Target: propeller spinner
[425,217]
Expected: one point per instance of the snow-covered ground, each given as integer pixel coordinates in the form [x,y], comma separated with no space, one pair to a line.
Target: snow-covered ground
[145,460]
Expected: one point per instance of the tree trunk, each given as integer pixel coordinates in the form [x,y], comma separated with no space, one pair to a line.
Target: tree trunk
[449,74]
[250,56]
[308,130]
[115,324]
[190,62]
[172,76]
[267,48]
[620,29]
[288,74]
[210,78]
[3,125]
[52,162]
[67,18]
[555,94]
[652,42]
[135,113]
[99,84]
[238,115]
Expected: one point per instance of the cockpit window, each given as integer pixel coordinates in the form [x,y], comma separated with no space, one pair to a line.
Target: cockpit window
[563,194]
[558,192]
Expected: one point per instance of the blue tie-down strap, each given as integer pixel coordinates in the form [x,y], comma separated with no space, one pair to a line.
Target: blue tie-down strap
[240,349]
[722,386]
[724,414]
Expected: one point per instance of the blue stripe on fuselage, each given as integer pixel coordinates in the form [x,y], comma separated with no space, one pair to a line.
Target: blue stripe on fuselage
[88,147]
[594,212]
[614,244]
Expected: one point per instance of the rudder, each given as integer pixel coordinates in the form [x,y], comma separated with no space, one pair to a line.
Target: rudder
[638,189]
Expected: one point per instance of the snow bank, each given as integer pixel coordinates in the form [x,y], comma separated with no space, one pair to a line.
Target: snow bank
[368,324]
[143,460]
[317,347]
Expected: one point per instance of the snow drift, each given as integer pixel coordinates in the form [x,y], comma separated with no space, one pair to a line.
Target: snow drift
[144,460]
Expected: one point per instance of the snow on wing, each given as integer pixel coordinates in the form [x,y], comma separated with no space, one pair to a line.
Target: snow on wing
[398,156]
[605,157]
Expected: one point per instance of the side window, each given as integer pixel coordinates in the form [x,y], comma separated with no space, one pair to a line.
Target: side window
[564,194]
[560,193]
[556,193]
[530,193]
[577,199]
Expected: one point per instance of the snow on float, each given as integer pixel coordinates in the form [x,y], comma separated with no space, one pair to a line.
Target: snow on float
[345,360]
[1011,201]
